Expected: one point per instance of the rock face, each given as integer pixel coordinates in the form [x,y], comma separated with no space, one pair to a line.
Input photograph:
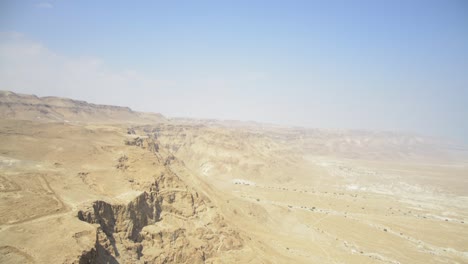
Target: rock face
[167,223]
[126,231]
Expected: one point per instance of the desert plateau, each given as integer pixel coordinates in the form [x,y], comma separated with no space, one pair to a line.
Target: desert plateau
[86,183]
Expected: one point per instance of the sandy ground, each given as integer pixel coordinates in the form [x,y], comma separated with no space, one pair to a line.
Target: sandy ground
[191,191]
[336,209]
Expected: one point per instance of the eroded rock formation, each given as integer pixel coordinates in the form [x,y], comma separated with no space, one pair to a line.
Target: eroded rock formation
[167,223]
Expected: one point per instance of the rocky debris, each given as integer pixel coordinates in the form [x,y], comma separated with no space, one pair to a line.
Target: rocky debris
[122,163]
[123,159]
[135,142]
[131,131]
[144,143]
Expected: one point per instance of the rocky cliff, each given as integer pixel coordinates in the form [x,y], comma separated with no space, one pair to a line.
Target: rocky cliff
[56,109]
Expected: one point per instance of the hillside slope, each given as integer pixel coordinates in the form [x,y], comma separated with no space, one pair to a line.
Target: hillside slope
[83,183]
[56,109]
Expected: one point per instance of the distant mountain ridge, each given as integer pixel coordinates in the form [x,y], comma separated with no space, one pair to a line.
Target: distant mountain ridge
[57,109]
[362,144]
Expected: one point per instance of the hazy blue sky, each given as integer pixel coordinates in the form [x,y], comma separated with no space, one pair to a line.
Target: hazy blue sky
[384,65]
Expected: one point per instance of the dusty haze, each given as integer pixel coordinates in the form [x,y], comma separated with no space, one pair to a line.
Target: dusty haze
[87,183]
[374,65]
[247,131]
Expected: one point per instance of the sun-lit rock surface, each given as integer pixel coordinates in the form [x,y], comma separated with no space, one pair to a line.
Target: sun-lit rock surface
[82,183]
